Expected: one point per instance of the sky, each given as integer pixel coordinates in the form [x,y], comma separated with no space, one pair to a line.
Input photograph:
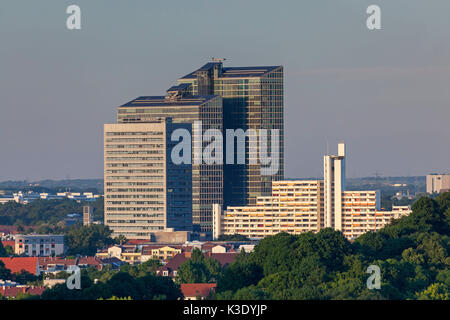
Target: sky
[386,92]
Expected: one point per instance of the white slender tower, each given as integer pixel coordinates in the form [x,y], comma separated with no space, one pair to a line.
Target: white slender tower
[334,185]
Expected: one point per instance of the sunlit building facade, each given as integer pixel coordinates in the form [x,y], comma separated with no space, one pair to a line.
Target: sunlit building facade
[144,191]
[310,205]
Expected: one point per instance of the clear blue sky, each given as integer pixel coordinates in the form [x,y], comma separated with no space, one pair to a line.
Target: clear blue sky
[386,93]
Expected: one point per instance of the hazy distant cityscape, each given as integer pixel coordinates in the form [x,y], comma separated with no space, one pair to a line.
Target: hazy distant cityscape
[232,151]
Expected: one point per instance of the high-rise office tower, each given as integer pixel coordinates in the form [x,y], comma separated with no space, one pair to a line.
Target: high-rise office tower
[334,185]
[252,99]
[144,191]
[182,107]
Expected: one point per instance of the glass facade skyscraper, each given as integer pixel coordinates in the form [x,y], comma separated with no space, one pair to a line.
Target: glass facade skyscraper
[252,99]
[245,98]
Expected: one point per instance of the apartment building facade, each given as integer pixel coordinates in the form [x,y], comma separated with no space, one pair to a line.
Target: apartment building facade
[144,191]
[295,207]
[310,205]
[39,245]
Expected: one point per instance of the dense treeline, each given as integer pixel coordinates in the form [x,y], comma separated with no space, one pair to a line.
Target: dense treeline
[412,253]
[130,282]
[44,212]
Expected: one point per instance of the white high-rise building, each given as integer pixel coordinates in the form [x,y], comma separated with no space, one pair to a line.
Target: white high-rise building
[298,206]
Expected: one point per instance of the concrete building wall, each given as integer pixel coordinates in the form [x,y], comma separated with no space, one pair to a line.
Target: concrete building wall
[135,184]
[436,183]
[39,245]
[294,207]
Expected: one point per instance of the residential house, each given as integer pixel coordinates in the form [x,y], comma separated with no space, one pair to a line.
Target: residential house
[17,264]
[197,291]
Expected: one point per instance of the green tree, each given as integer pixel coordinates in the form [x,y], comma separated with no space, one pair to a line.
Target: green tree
[436,291]
[85,240]
[3,252]
[5,274]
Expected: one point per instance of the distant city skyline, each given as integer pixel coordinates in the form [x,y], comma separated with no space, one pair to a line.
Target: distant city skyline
[385,93]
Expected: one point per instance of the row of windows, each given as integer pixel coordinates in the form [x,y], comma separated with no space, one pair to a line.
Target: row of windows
[135,152]
[134,165]
[134,177]
[131,209]
[135,171]
[135,196]
[135,202]
[133,146]
[118,184]
[135,190]
[134,158]
[147,133]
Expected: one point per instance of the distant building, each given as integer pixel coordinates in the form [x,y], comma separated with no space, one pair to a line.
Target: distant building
[144,191]
[126,253]
[88,215]
[17,264]
[27,197]
[294,207]
[34,245]
[170,269]
[253,98]
[57,264]
[298,206]
[197,291]
[72,218]
[13,292]
[437,183]
[245,98]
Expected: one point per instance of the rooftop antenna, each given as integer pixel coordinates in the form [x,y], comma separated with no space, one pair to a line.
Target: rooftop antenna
[328,147]
[213,59]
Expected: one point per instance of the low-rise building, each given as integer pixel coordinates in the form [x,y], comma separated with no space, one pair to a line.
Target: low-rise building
[37,245]
[19,264]
[56,264]
[13,292]
[159,252]
[197,291]
[127,253]
[170,269]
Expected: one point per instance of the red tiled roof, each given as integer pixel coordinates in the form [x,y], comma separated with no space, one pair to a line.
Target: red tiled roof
[17,264]
[44,261]
[8,229]
[173,264]
[14,291]
[90,261]
[136,241]
[224,258]
[10,243]
[197,289]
